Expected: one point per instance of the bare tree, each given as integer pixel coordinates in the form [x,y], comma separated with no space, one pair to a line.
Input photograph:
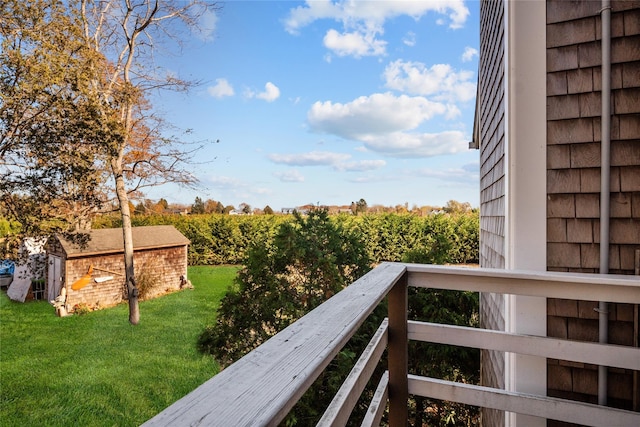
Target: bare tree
[128,33]
[75,80]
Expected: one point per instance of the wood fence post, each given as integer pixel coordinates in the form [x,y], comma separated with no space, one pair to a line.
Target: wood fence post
[398,370]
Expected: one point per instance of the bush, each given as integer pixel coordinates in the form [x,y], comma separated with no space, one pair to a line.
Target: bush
[218,239]
[284,277]
[82,308]
[148,283]
[311,258]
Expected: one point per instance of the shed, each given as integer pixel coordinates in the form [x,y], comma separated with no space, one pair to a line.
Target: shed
[160,259]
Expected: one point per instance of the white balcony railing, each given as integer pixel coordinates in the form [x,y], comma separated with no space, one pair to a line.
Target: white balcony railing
[262,387]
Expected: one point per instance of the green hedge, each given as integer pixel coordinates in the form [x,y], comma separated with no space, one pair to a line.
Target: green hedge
[218,239]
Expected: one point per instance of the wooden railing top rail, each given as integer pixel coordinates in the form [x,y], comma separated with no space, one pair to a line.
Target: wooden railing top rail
[262,387]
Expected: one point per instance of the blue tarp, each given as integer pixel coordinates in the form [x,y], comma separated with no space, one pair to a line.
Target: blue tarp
[7,267]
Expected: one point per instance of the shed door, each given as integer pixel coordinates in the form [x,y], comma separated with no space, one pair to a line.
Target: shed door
[54,277]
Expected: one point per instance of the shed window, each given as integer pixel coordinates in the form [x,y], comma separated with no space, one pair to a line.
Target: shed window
[37,288]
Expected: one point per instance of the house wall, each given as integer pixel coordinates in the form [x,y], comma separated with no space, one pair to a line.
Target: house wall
[160,267]
[491,119]
[573,180]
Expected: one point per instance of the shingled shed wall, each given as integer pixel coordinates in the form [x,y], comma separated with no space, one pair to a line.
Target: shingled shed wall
[160,258]
[97,295]
[573,178]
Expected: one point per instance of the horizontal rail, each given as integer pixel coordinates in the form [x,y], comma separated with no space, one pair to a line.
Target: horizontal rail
[584,286]
[527,404]
[616,356]
[262,387]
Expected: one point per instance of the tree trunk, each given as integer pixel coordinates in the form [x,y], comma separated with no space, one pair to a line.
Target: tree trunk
[123,200]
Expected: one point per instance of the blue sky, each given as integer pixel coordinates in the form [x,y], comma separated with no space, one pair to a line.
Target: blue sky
[331,101]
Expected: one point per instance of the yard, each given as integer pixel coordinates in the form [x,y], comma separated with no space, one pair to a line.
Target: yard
[98,370]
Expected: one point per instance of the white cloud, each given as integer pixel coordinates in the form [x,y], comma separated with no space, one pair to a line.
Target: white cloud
[410,39]
[207,24]
[367,179]
[224,182]
[411,145]
[363,21]
[379,113]
[360,166]
[469,53]
[271,93]
[439,81]
[452,112]
[302,16]
[229,188]
[338,161]
[290,176]
[352,13]
[221,89]
[354,44]
[386,123]
[472,168]
[468,173]
[313,158]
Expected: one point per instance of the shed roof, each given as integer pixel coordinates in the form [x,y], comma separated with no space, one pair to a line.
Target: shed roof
[110,240]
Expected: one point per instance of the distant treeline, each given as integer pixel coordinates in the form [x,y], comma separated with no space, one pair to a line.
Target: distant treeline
[223,239]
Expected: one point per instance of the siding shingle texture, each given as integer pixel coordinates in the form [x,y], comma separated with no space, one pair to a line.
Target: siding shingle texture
[573,178]
[492,185]
[160,254]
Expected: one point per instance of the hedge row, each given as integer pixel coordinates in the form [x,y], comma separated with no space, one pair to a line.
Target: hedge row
[223,239]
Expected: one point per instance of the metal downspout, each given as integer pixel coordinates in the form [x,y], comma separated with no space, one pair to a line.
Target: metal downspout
[605,178]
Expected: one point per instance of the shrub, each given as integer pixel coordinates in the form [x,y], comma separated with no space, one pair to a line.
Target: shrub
[284,277]
[308,260]
[218,239]
[82,308]
[147,282]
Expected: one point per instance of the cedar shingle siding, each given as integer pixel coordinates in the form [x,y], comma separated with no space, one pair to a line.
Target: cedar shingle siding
[573,91]
[160,255]
[573,180]
[491,119]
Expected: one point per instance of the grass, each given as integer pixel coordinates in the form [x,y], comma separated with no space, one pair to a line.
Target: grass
[97,369]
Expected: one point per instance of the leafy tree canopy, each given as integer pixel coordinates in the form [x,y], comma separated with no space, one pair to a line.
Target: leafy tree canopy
[198,206]
[51,132]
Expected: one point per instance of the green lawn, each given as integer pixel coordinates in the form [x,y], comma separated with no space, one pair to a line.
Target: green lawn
[96,369]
